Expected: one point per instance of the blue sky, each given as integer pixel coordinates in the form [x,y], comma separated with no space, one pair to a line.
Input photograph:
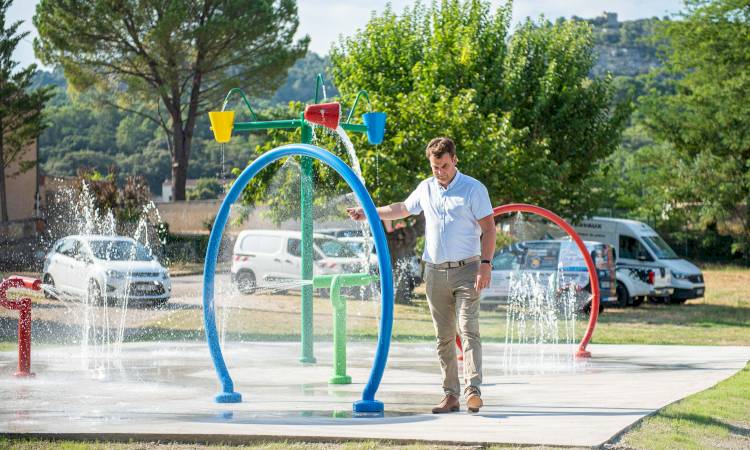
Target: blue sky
[326,20]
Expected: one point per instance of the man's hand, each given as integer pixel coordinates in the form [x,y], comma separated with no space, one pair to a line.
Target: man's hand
[483,277]
[356,213]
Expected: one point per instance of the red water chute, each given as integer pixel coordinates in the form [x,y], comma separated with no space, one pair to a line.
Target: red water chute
[325,114]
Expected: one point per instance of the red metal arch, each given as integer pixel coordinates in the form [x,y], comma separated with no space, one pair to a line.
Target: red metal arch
[522,207]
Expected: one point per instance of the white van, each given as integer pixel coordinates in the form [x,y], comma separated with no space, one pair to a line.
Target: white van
[640,250]
[265,258]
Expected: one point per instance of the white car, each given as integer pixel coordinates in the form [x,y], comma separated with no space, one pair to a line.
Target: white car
[269,258]
[106,268]
[357,244]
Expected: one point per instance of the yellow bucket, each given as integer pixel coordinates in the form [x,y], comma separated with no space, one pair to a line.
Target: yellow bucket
[222,123]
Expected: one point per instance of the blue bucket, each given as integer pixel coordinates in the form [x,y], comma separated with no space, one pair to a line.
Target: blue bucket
[375,122]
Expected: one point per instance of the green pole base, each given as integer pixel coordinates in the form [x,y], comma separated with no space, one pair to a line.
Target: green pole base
[340,379]
[307,359]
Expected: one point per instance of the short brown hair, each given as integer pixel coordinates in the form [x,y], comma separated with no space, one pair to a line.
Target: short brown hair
[440,146]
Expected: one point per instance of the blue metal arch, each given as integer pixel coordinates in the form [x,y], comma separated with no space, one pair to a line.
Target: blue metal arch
[228,395]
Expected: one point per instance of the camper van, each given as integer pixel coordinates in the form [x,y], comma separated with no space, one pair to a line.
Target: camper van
[642,254]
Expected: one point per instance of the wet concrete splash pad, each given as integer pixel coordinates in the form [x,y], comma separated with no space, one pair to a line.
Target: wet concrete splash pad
[164,390]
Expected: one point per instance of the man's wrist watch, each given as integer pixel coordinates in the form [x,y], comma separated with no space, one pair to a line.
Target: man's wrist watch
[487,261]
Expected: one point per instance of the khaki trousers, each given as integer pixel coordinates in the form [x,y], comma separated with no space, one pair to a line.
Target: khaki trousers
[448,291]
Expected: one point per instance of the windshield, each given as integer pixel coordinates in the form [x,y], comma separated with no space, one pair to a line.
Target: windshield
[120,251]
[356,247]
[661,249]
[334,248]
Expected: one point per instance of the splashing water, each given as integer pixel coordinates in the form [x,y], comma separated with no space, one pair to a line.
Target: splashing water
[101,325]
[350,150]
[541,314]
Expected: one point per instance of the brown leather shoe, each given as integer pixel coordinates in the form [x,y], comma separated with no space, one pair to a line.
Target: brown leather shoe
[473,399]
[448,404]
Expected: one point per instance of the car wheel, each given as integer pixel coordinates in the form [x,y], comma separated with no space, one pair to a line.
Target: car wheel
[95,296]
[50,282]
[622,295]
[245,282]
[587,308]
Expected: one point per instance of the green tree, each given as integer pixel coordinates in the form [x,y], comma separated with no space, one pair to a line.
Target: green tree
[205,189]
[21,118]
[527,119]
[706,114]
[176,58]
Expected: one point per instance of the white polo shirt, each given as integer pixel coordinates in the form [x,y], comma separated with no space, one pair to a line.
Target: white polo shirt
[452,217]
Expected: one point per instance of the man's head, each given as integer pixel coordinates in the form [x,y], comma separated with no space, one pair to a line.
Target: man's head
[442,155]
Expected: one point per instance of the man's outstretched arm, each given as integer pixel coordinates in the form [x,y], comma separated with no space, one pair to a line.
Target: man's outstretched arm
[389,212]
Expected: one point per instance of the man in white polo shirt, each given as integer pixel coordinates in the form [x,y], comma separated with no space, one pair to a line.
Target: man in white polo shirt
[459,245]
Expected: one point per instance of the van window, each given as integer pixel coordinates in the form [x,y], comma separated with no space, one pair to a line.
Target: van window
[261,244]
[333,248]
[661,249]
[293,247]
[631,248]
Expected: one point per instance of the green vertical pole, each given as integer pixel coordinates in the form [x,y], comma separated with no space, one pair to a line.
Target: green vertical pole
[306,221]
[339,333]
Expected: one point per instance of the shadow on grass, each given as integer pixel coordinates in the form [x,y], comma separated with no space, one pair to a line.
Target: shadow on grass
[707,421]
[687,314]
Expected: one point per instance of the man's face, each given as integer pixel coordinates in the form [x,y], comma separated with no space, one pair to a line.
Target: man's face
[443,168]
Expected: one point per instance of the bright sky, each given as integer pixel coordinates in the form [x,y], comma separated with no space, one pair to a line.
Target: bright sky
[326,20]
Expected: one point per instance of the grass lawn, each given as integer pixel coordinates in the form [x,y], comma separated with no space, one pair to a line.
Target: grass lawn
[721,318]
[366,445]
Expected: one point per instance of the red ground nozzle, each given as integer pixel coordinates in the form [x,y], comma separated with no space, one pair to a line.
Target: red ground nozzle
[460,348]
[23,306]
[324,114]
[29,283]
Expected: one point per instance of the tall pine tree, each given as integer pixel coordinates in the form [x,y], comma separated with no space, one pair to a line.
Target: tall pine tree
[21,119]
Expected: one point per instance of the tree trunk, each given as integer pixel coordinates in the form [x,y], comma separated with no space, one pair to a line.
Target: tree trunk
[179,161]
[3,194]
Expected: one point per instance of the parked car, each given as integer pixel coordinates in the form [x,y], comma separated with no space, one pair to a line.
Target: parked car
[636,284]
[638,247]
[339,233]
[358,245]
[263,258]
[106,268]
[543,259]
